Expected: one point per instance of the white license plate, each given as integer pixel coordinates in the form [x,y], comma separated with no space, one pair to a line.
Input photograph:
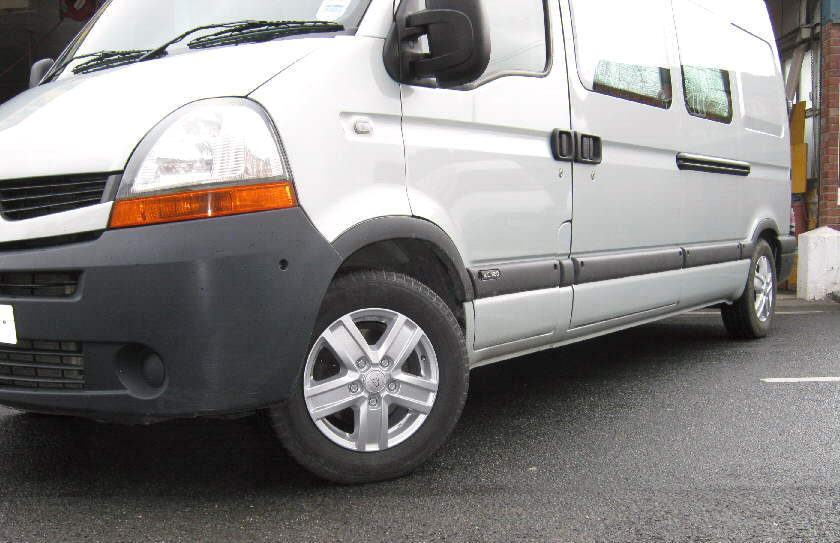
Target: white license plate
[8,333]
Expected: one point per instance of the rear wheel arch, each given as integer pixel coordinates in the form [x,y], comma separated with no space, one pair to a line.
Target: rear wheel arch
[768,230]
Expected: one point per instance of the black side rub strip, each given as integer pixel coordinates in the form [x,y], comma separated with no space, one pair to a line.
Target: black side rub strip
[702,163]
[500,279]
[705,255]
[591,269]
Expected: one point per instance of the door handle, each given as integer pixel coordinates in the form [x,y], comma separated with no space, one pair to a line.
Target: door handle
[589,149]
[563,145]
[568,146]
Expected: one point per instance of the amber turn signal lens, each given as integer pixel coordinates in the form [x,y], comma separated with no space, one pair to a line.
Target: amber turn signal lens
[204,204]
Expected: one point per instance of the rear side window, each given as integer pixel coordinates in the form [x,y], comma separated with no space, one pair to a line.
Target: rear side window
[623,49]
[518,33]
[705,44]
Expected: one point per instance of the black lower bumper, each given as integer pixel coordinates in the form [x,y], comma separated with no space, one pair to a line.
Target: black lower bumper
[789,248]
[227,305]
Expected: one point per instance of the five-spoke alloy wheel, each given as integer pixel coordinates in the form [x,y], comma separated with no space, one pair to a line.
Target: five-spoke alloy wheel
[383,385]
[371,380]
[751,315]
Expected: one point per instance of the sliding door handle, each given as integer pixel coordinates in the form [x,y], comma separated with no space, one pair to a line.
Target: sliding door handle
[710,164]
[568,146]
[589,149]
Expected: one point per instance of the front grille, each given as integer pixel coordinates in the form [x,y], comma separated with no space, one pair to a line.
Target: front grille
[42,364]
[36,197]
[39,284]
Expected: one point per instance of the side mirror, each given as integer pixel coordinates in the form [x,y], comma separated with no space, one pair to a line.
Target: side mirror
[39,70]
[459,43]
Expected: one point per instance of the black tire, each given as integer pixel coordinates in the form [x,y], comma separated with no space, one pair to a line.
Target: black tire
[397,292]
[740,318]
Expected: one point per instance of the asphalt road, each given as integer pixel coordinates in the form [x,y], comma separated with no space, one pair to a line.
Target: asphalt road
[662,433]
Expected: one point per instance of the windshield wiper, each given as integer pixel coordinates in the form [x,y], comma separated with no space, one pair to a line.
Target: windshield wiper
[242,31]
[230,33]
[259,31]
[106,59]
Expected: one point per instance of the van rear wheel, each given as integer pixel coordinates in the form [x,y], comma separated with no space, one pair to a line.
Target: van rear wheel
[384,383]
[751,316]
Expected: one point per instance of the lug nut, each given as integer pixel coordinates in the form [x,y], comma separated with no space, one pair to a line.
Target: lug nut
[362,364]
[386,363]
[354,388]
[373,402]
[392,386]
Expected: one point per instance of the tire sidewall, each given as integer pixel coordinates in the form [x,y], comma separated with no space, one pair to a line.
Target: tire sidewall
[759,327]
[427,310]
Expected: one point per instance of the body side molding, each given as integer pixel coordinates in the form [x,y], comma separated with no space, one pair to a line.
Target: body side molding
[603,267]
[498,279]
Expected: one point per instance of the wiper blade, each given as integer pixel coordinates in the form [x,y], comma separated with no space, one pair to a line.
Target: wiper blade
[258,31]
[231,33]
[106,59]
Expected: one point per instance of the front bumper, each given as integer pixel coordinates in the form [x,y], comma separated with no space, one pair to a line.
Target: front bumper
[227,304]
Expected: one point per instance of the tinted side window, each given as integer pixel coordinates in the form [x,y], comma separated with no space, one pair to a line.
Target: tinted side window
[708,93]
[705,46]
[518,35]
[623,49]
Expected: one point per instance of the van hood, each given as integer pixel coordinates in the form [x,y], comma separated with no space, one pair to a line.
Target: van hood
[92,123]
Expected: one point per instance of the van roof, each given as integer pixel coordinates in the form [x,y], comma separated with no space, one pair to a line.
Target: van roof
[751,15]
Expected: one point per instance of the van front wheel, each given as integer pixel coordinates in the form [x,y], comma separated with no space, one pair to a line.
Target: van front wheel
[384,383]
[751,315]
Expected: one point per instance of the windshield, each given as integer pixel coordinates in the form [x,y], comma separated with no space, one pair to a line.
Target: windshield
[144,25]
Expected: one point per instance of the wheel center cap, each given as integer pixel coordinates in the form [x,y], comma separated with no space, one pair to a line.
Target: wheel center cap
[375,382]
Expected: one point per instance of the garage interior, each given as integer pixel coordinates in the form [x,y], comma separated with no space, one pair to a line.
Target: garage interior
[807,31]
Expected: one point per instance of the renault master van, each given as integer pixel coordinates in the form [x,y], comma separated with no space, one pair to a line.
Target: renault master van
[333,210]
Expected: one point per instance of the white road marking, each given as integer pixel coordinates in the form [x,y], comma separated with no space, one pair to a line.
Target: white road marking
[802,380]
[717,313]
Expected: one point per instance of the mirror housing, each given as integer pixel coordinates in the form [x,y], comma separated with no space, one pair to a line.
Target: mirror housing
[459,43]
[39,70]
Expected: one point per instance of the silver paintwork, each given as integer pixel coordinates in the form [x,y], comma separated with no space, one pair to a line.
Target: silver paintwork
[371,381]
[475,162]
[76,221]
[501,319]
[765,289]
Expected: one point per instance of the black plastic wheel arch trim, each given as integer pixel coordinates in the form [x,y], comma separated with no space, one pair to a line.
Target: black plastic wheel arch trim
[393,228]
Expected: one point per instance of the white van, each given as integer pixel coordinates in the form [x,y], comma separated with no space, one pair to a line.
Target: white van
[334,209]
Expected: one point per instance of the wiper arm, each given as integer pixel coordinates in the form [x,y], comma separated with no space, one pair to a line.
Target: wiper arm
[231,33]
[106,59]
[243,29]
[259,31]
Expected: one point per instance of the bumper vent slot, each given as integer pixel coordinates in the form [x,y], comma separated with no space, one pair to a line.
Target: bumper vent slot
[36,197]
[39,285]
[35,364]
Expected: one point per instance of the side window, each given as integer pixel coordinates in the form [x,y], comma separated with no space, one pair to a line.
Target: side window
[518,34]
[703,40]
[623,49]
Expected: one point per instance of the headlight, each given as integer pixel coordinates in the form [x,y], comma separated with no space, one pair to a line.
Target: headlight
[210,158]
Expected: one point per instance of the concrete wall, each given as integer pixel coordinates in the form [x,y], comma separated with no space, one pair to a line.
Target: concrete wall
[16,29]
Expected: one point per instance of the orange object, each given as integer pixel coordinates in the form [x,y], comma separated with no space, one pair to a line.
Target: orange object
[204,204]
